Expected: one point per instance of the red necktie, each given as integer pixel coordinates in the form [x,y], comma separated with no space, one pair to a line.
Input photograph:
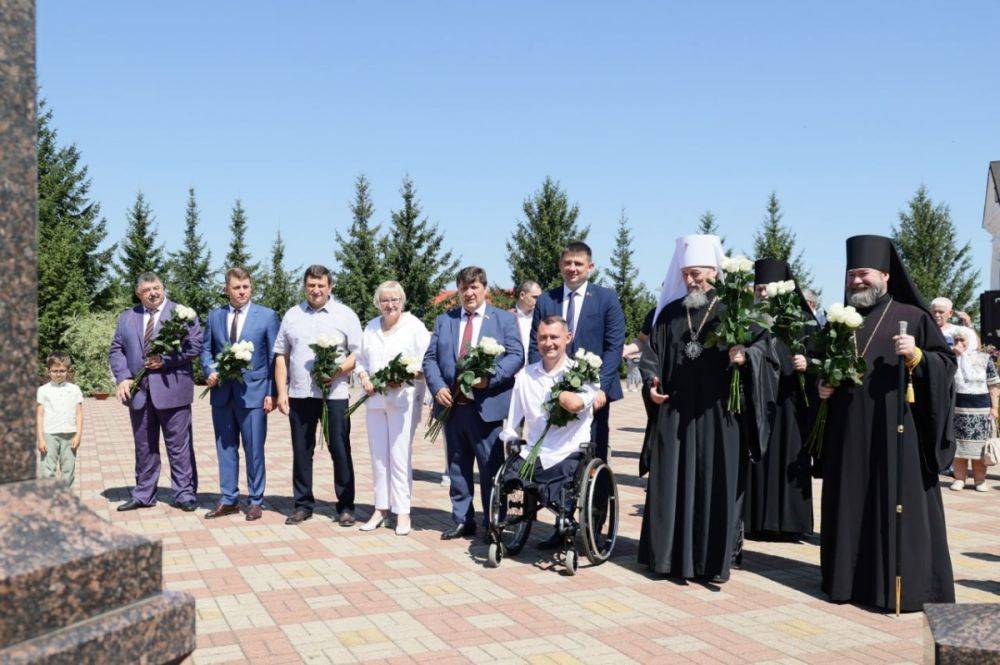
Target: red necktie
[148,334]
[463,349]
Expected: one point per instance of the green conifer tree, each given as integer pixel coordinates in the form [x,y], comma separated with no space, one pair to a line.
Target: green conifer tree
[774,240]
[191,279]
[360,256]
[139,251]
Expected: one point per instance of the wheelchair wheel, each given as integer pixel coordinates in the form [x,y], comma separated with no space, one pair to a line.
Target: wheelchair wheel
[598,506]
[512,512]
[494,555]
[572,561]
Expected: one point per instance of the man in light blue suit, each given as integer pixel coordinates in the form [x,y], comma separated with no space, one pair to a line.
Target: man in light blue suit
[472,431]
[239,409]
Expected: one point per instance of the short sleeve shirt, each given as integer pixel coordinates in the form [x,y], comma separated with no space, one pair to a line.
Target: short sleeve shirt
[300,327]
[59,400]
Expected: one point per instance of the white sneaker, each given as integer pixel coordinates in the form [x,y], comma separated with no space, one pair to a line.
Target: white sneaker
[981,487]
[958,485]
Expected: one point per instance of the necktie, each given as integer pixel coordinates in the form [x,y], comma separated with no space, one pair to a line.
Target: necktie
[232,328]
[148,334]
[463,350]
[571,313]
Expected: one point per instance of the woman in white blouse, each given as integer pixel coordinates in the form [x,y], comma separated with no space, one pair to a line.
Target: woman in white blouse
[391,418]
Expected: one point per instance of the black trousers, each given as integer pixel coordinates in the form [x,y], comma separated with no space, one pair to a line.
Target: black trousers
[304,417]
[600,431]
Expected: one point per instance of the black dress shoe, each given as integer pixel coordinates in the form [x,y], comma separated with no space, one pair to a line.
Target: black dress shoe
[553,542]
[186,506]
[298,517]
[459,531]
[131,504]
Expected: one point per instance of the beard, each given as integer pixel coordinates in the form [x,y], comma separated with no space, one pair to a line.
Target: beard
[866,298]
[695,299]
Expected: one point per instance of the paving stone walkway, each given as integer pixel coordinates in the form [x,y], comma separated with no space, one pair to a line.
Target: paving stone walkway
[319,593]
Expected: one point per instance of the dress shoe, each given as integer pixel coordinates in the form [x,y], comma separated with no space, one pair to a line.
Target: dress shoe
[378,519]
[186,506]
[222,510]
[254,513]
[298,517]
[458,531]
[553,542]
[131,504]
[403,525]
[346,518]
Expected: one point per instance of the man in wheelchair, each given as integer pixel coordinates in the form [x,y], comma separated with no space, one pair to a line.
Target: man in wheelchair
[558,476]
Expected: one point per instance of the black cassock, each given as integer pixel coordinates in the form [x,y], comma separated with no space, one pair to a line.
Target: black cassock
[694,453]
[859,456]
[779,487]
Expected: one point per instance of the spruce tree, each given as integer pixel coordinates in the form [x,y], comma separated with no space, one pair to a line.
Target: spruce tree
[191,278]
[279,289]
[360,256]
[708,226]
[550,224]
[139,251]
[239,254]
[72,267]
[928,245]
[622,277]
[415,256]
[774,240]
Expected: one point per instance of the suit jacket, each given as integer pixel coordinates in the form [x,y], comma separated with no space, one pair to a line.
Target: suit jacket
[600,329]
[170,387]
[441,360]
[260,327]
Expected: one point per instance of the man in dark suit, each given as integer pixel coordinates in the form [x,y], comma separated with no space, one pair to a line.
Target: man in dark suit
[472,431]
[597,324]
[240,408]
[163,399]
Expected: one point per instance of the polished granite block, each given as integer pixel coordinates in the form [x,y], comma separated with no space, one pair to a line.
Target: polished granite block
[18,177]
[962,634]
[60,563]
[159,629]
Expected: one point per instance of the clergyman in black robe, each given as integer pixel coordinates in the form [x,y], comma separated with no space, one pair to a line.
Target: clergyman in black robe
[694,453]
[858,534]
[779,487]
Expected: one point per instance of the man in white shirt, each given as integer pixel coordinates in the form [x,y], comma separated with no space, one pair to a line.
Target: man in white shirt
[524,310]
[556,465]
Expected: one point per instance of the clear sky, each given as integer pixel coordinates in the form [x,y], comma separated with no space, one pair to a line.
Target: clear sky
[668,109]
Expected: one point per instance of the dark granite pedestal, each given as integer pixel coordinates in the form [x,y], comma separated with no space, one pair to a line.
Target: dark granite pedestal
[73,588]
[967,634]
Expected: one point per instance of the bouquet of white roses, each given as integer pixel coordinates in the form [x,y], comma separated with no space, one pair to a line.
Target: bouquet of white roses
[169,339]
[479,363]
[790,323]
[836,362]
[585,369]
[401,369]
[231,361]
[735,291]
[330,354]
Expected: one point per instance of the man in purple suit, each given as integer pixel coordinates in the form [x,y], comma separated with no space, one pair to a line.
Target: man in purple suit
[163,399]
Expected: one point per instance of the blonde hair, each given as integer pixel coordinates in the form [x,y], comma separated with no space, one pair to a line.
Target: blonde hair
[389,285]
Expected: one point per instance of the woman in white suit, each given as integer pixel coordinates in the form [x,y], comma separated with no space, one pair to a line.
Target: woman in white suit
[391,418]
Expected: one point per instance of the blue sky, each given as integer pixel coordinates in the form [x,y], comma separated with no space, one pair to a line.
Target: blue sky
[668,109]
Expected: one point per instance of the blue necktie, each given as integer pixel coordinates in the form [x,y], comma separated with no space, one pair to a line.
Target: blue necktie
[571,313]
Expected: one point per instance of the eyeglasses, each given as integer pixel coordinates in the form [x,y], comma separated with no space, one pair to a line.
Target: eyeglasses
[390,301]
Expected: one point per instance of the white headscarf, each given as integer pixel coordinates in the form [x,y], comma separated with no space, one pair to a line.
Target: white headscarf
[692,250]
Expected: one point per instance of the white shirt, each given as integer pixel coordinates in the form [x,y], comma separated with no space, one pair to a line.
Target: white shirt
[581,293]
[531,388]
[156,317]
[239,322]
[524,325]
[59,400]
[378,347]
[477,324]
[300,327]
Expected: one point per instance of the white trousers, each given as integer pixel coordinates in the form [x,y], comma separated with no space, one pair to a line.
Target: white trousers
[390,438]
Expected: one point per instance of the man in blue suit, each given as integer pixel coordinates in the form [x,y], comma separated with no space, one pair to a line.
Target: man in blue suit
[239,409]
[472,430]
[597,323]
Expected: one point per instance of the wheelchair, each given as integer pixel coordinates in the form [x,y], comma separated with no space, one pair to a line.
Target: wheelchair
[589,529]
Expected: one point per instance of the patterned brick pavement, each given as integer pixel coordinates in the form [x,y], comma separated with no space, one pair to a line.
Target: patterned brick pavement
[318,593]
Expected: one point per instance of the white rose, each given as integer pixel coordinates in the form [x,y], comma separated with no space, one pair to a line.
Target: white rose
[790,285]
[835,312]
[248,345]
[746,265]
[727,264]
[580,353]
[323,342]
[594,360]
[413,368]
[771,289]
[243,354]
[184,313]
[854,320]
